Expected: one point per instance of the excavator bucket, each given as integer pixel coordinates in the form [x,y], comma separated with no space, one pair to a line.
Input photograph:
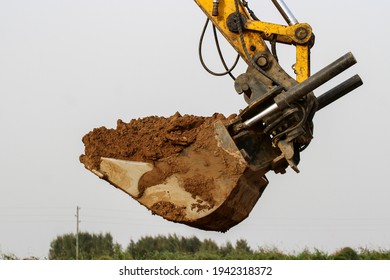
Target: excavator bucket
[186,169]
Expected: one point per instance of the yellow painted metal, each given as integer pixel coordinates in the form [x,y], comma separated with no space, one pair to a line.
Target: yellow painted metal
[270,29]
[255,32]
[253,40]
[302,65]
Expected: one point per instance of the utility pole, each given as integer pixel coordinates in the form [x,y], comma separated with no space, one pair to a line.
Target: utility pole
[77,232]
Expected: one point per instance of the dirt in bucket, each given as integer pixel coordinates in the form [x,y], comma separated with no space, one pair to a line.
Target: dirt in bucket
[152,139]
[146,139]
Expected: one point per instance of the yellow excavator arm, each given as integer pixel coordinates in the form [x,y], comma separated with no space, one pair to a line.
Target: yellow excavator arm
[210,172]
[248,37]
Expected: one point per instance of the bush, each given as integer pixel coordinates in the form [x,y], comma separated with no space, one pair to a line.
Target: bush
[346,253]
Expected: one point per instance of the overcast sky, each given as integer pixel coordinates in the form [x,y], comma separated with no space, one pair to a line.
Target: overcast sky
[69,66]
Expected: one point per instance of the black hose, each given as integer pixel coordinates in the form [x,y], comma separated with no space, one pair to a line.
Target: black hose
[228,70]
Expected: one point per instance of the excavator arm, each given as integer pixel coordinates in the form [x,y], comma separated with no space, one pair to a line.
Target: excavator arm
[248,35]
[209,173]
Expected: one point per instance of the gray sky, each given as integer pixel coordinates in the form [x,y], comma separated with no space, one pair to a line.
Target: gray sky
[69,66]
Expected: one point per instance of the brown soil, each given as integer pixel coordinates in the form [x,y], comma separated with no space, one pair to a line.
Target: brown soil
[148,139]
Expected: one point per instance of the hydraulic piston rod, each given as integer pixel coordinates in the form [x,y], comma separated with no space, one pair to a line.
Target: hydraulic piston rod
[285,12]
[284,99]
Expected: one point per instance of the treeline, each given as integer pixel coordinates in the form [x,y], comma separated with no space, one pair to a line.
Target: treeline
[173,247]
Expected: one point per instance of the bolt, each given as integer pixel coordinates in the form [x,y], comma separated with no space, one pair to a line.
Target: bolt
[252,48]
[262,61]
[301,33]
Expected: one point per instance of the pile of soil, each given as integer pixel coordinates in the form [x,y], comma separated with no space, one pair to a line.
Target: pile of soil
[146,139]
[156,140]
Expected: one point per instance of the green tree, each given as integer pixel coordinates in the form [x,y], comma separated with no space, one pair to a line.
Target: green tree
[270,254]
[143,248]
[190,245]
[243,247]
[312,255]
[346,253]
[227,250]
[63,247]
[91,246]
[208,250]
[163,247]
[366,254]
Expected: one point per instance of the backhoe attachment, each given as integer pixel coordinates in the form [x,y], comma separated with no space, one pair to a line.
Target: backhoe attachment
[209,172]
